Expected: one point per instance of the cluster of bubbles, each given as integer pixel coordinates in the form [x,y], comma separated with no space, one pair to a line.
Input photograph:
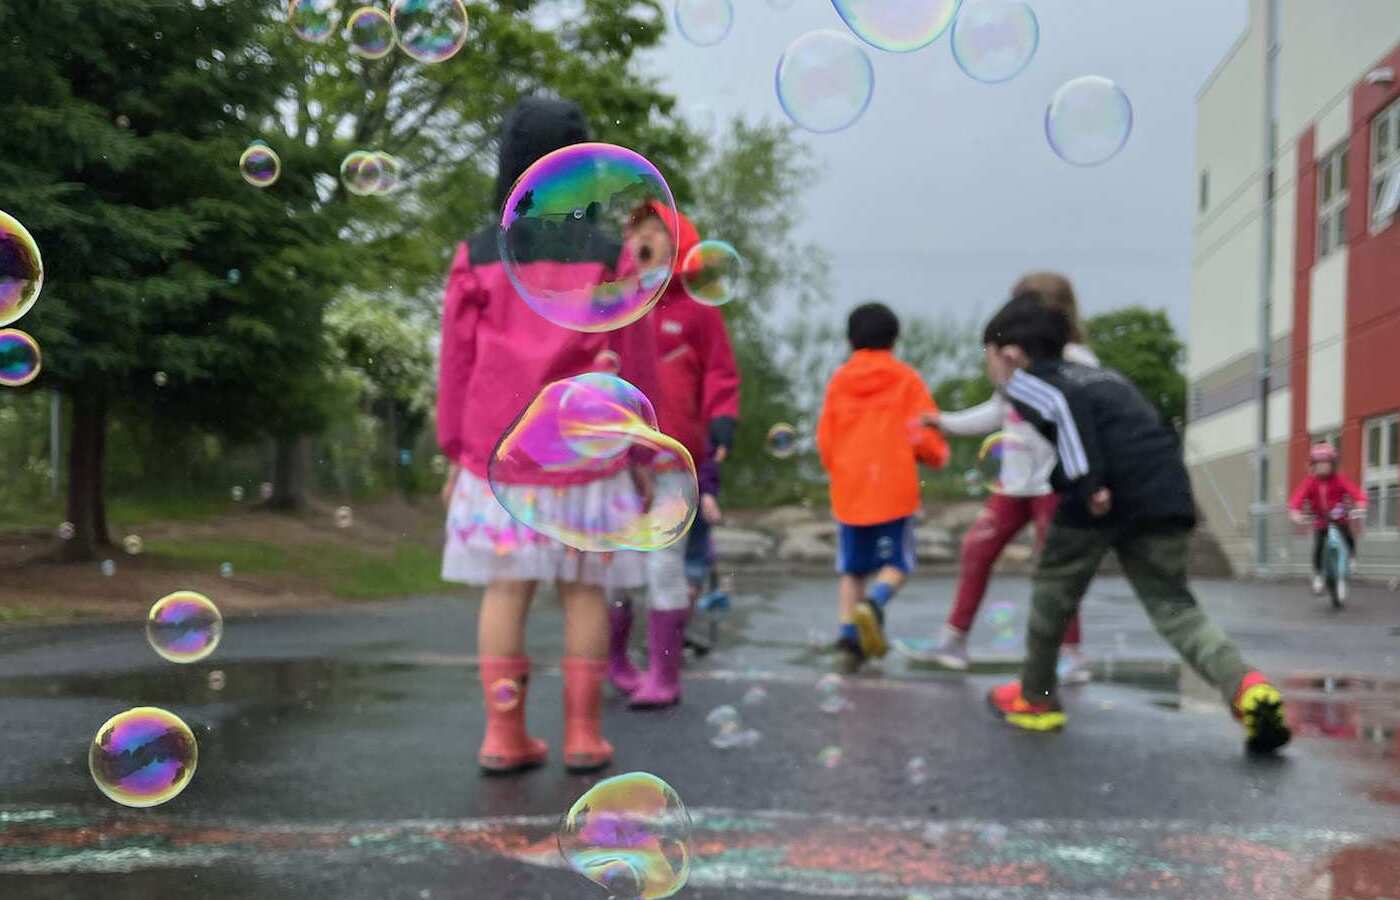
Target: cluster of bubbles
[429,31]
[143,757]
[1001,617]
[825,79]
[584,428]
[830,698]
[367,173]
[184,627]
[21,280]
[781,441]
[729,730]
[146,756]
[630,835]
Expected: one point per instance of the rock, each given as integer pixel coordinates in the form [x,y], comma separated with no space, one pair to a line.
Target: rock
[784,517]
[741,545]
[955,517]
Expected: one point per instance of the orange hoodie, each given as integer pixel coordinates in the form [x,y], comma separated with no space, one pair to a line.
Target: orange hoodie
[869,440]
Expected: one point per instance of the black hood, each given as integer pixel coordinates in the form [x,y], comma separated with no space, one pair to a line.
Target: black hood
[534,127]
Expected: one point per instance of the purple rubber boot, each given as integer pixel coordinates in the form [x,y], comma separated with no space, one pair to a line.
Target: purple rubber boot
[623,675]
[661,684]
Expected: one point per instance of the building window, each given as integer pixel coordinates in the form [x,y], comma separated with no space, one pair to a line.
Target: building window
[1204,200]
[1385,166]
[1332,201]
[1380,473]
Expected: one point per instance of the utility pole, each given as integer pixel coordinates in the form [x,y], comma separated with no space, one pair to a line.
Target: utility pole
[1266,277]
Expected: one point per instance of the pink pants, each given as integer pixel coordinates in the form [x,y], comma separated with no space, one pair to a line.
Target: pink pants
[998,523]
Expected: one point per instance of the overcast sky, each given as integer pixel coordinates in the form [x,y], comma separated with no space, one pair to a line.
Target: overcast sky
[946,189]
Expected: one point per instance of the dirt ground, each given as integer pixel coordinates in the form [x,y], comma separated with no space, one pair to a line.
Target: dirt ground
[35,588]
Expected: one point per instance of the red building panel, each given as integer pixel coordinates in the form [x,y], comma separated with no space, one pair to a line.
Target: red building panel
[1304,255]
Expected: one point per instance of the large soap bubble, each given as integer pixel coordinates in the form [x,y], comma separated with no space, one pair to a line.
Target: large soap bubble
[631,836]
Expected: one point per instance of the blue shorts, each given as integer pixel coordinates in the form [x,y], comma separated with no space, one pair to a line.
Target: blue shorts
[699,553]
[866,549]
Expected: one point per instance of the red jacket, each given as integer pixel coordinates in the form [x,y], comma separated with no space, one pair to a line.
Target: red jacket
[1322,495]
[697,374]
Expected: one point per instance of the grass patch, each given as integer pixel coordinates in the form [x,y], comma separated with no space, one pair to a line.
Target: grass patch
[347,571]
[122,512]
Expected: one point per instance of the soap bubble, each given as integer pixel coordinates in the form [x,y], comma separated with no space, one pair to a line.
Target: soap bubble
[564,228]
[734,737]
[899,26]
[711,272]
[21,269]
[313,20]
[781,441]
[630,835]
[236,492]
[260,165]
[133,545]
[226,570]
[361,172]
[184,627]
[755,695]
[20,359]
[994,40]
[825,81]
[1088,121]
[830,699]
[916,770]
[993,456]
[439,464]
[217,680]
[370,33]
[265,491]
[722,716]
[344,517]
[430,31]
[143,757]
[583,427]
[161,379]
[1001,616]
[108,568]
[66,531]
[704,22]
[830,757]
[234,276]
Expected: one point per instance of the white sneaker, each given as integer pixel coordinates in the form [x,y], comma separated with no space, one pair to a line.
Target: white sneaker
[1317,585]
[1074,668]
[950,652]
[1342,591]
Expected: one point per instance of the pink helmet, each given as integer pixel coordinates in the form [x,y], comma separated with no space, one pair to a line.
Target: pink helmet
[1322,452]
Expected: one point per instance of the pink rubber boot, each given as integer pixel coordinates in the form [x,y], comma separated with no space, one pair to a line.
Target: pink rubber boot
[623,675]
[507,746]
[584,747]
[661,685]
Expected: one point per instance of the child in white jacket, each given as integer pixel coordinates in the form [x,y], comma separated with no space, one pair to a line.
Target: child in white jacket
[1025,496]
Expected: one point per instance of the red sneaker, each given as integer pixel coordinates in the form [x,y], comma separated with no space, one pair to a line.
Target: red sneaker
[1014,709]
[1259,707]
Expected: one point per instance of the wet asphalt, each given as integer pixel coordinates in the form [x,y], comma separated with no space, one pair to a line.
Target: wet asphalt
[337,760]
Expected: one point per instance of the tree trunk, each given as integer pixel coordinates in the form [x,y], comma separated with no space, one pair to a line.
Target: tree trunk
[290,467]
[87,508]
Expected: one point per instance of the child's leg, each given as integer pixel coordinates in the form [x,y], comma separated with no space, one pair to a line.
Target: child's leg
[849,591]
[1042,514]
[1319,544]
[505,675]
[1156,566]
[585,644]
[669,596]
[500,625]
[1001,518]
[1068,562]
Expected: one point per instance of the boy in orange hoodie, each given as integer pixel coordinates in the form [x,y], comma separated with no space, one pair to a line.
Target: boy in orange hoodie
[870,442]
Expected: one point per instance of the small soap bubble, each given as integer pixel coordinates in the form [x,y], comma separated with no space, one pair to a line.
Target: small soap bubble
[781,441]
[344,517]
[565,207]
[66,531]
[755,695]
[226,570]
[722,716]
[313,20]
[825,81]
[830,699]
[735,738]
[630,835]
[439,464]
[143,757]
[161,379]
[260,165]
[236,492]
[361,171]
[405,457]
[20,359]
[217,680]
[108,568]
[1088,121]
[133,545]
[993,456]
[830,757]
[1001,617]
[123,122]
[430,31]
[711,273]
[704,22]
[994,40]
[370,33]
[184,627]
[265,491]
[21,269]
[234,276]
[916,770]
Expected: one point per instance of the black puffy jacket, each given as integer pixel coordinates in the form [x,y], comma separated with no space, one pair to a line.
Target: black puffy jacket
[1106,435]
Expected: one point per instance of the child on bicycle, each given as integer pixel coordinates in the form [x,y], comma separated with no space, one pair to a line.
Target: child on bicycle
[1325,496]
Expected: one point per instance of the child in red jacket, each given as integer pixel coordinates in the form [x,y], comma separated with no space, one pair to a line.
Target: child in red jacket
[698,405]
[1326,494]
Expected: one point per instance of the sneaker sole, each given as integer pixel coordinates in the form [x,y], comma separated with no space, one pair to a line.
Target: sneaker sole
[930,658]
[1038,722]
[872,635]
[1262,712]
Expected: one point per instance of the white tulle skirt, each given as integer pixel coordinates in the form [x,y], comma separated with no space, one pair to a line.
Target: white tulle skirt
[485,543]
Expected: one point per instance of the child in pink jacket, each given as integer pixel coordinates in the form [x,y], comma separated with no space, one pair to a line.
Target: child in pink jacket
[497,354]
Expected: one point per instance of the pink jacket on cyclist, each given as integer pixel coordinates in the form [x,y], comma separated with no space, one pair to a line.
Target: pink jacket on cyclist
[1322,495]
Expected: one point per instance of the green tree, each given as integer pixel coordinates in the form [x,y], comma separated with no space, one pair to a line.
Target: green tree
[1142,344]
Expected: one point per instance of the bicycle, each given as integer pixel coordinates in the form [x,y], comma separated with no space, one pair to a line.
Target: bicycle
[1336,555]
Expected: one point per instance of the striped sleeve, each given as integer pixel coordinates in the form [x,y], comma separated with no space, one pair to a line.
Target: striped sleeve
[1050,404]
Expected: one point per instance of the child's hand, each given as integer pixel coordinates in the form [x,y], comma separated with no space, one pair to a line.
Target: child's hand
[1296,517]
[1100,502]
[709,509]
